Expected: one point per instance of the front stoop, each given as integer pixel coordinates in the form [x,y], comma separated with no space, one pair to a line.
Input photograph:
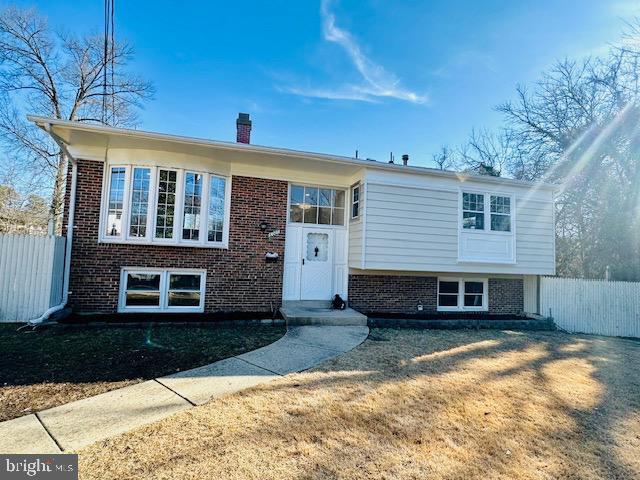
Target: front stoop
[320,313]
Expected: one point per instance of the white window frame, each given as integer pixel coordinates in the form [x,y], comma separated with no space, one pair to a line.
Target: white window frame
[487,212]
[355,186]
[164,290]
[460,307]
[149,238]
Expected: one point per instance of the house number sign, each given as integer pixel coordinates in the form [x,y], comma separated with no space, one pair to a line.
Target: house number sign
[275,233]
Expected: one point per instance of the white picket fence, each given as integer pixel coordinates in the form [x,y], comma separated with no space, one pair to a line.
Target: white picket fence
[31,275]
[592,306]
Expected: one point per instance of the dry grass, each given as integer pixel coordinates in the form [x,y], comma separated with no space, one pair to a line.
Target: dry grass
[51,367]
[411,404]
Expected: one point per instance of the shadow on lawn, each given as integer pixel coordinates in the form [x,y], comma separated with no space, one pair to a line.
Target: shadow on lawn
[88,354]
[548,404]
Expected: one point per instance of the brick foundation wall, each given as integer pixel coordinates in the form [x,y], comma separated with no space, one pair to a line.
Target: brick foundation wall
[238,279]
[506,295]
[401,294]
[392,293]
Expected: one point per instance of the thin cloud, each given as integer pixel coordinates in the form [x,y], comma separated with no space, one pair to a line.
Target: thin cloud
[377,82]
[465,61]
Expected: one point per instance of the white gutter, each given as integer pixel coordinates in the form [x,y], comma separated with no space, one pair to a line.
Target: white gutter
[70,225]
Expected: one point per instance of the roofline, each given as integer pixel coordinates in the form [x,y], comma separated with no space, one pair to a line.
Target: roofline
[89,127]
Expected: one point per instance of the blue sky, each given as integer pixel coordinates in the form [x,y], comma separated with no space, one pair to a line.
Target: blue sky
[342,75]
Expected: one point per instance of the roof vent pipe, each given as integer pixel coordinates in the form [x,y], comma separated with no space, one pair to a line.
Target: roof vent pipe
[405,159]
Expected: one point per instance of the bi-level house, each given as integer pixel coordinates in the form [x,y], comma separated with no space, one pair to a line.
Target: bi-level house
[164,223]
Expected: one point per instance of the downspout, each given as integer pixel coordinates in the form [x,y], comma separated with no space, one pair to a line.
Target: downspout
[70,225]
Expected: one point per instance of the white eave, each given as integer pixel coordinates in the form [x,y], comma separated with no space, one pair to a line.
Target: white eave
[62,129]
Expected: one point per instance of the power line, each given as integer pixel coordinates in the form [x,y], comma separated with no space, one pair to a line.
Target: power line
[108,59]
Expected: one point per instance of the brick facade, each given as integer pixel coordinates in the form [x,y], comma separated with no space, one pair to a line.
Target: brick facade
[238,278]
[403,293]
[392,293]
[506,295]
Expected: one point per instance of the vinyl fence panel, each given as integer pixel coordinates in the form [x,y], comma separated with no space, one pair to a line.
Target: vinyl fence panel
[592,306]
[31,275]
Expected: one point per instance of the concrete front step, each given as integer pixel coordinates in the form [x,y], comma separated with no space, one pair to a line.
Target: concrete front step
[296,314]
[307,303]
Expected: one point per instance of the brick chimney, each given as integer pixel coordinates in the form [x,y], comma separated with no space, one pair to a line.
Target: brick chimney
[243,125]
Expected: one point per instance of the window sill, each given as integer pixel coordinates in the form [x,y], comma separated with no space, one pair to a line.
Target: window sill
[461,310]
[488,262]
[486,232]
[316,225]
[159,243]
[161,310]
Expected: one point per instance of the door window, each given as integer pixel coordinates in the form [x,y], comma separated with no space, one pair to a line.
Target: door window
[317,247]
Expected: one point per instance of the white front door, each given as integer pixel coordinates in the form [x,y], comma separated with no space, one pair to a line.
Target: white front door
[316,280]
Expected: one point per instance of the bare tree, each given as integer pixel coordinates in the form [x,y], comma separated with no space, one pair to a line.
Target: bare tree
[61,76]
[445,158]
[491,153]
[579,125]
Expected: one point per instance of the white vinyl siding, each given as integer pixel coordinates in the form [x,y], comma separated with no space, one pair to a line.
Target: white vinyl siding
[417,228]
[355,244]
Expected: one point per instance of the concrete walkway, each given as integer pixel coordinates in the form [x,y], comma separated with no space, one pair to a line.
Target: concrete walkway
[78,424]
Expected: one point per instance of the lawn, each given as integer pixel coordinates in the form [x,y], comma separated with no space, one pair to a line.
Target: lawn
[411,404]
[58,365]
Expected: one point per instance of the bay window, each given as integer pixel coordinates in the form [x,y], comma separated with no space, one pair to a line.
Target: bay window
[166,206]
[192,206]
[139,202]
[216,209]
[462,294]
[146,290]
[115,200]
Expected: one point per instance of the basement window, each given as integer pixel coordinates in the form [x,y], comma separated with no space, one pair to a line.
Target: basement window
[150,290]
[462,294]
